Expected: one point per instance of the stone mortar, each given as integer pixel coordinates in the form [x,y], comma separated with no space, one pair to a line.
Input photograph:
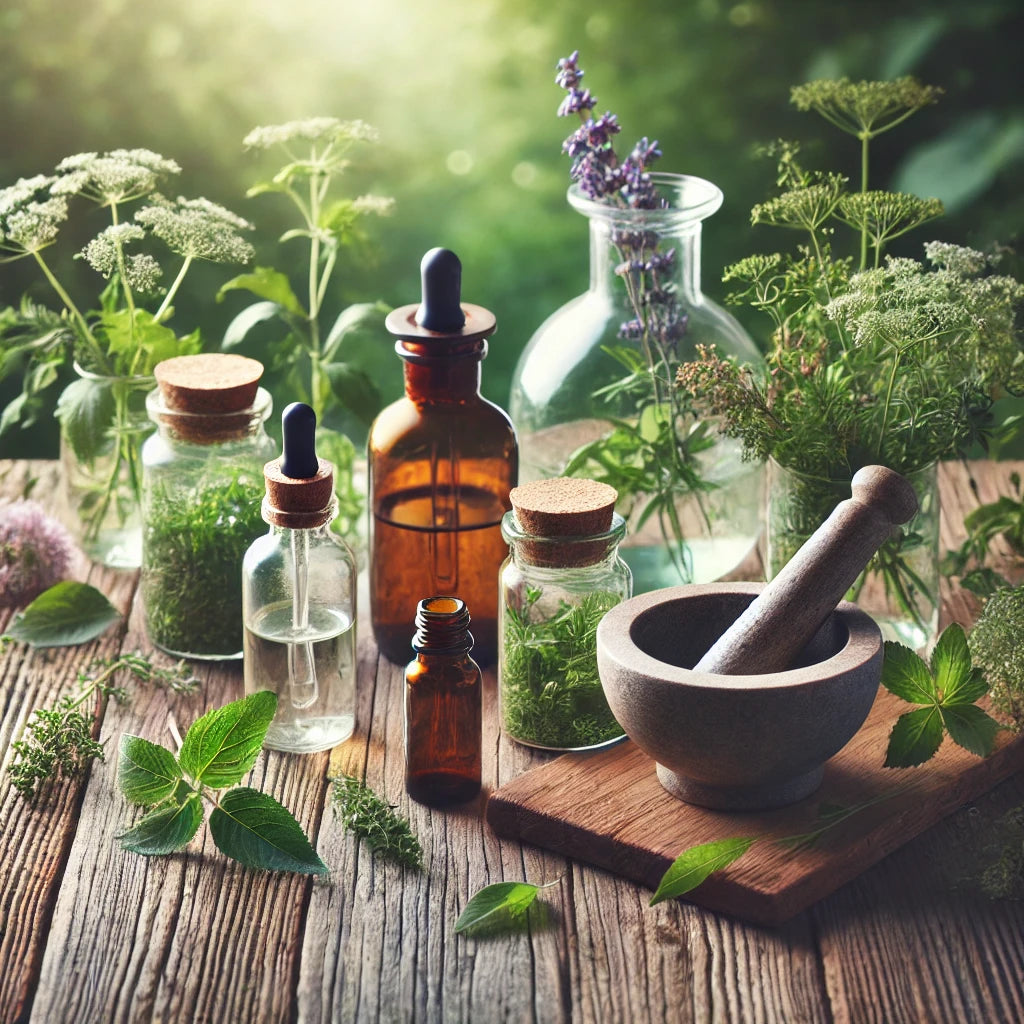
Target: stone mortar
[734,742]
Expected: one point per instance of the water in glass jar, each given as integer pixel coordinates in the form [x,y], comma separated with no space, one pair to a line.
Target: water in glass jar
[312,671]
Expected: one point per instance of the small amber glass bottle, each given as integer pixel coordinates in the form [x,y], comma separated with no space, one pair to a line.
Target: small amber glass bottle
[443,709]
[442,461]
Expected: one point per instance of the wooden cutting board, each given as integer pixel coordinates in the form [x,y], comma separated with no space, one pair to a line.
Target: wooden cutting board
[607,808]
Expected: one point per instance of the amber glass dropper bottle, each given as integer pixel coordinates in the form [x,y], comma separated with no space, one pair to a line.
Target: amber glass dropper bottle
[442,707]
[442,461]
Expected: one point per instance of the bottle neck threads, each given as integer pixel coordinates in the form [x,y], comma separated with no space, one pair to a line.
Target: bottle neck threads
[442,627]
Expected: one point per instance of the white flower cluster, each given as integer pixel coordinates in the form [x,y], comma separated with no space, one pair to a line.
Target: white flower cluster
[114,177]
[141,270]
[382,206]
[310,129]
[198,229]
[29,223]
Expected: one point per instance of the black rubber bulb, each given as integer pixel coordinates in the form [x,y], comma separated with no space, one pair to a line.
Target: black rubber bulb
[441,282]
[298,428]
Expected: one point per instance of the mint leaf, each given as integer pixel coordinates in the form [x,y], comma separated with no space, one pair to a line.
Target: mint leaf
[223,745]
[355,389]
[239,328]
[694,865]
[258,832]
[267,283]
[951,663]
[969,727]
[167,828]
[502,899]
[86,411]
[914,738]
[68,613]
[906,675]
[350,319]
[146,772]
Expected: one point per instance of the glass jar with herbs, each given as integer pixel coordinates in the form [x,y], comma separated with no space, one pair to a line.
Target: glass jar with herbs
[562,574]
[201,495]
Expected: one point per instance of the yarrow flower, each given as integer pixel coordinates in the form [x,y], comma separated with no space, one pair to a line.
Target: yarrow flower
[310,129]
[115,177]
[382,206]
[35,552]
[198,229]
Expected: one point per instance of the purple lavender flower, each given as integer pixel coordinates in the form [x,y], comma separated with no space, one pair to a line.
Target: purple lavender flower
[35,552]
[603,177]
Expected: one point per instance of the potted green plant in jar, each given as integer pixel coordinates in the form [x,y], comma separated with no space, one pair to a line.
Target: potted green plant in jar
[114,343]
[874,359]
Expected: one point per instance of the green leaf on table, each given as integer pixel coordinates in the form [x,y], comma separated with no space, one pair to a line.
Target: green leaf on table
[266,283]
[947,692]
[222,746]
[502,900]
[85,410]
[257,831]
[68,613]
[906,675]
[694,865]
[951,666]
[971,728]
[146,772]
[915,738]
[168,827]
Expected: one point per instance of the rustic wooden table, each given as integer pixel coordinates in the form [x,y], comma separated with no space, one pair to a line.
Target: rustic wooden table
[91,934]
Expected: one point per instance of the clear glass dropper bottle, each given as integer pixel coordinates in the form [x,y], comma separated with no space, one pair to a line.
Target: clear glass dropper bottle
[299,599]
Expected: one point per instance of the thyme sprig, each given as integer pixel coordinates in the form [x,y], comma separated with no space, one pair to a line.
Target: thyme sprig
[374,820]
[60,743]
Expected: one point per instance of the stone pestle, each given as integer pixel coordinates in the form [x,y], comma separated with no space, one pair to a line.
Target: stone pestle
[773,630]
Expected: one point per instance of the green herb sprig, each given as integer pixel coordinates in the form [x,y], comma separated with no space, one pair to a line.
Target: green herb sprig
[317,153]
[874,359]
[946,692]
[60,743]
[218,750]
[1003,518]
[373,819]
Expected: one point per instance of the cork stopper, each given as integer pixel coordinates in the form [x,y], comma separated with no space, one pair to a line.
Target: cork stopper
[578,510]
[207,397]
[300,486]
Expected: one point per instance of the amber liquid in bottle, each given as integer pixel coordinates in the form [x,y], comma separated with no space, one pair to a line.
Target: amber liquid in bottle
[442,461]
[443,708]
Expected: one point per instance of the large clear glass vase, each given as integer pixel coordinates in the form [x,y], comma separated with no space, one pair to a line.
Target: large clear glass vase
[569,391]
[101,459]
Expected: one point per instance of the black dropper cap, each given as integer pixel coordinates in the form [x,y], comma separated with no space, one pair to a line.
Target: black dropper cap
[300,487]
[441,292]
[440,317]
[298,429]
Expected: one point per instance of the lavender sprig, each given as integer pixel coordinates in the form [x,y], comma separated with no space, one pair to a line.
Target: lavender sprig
[668,465]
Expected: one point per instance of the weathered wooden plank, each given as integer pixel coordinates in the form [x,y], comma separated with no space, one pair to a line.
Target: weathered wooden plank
[190,937]
[917,938]
[37,838]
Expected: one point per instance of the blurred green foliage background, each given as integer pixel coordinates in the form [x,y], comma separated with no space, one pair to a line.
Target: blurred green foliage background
[464,97]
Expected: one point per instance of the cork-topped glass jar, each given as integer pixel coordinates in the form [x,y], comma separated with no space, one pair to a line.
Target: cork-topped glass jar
[202,488]
[562,574]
